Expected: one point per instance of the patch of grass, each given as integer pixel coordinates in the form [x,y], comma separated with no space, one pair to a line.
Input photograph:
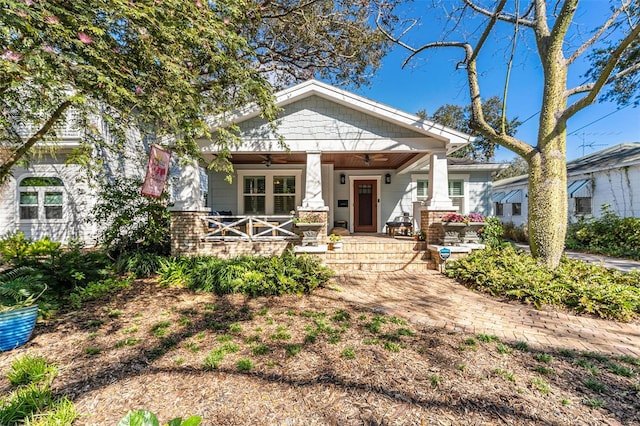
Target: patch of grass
[362,317]
[159,329]
[260,349]
[95,323]
[504,374]
[569,353]
[263,311]
[341,316]
[594,403]
[60,412]
[542,369]
[291,313]
[620,370]
[435,380]
[630,360]
[115,313]
[595,355]
[131,330]
[216,356]
[487,338]
[594,385]
[397,321]
[91,350]
[92,335]
[521,346]
[541,385]
[311,337]
[31,369]
[224,338]
[589,366]
[23,402]
[375,325]
[127,342]
[193,347]
[546,358]
[293,349]
[280,334]
[469,344]
[235,328]
[461,367]
[391,347]
[244,364]
[230,348]
[201,335]
[565,402]
[504,349]
[349,353]
[184,322]
[252,339]
[334,338]
[370,341]
[179,360]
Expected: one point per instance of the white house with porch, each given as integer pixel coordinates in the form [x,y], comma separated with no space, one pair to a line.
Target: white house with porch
[352,162]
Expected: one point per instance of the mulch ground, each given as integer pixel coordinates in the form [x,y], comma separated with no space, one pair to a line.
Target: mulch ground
[311,360]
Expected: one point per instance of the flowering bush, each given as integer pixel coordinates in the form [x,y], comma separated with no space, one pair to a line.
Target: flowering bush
[311,218]
[458,218]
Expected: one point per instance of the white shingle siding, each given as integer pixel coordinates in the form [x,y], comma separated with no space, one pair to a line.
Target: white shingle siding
[316,118]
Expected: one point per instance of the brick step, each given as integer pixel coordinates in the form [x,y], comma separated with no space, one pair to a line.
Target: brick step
[377,266]
[376,255]
[397,246]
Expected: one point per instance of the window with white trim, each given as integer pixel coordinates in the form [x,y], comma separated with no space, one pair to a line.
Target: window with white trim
[275,192]
[456,193]
[516,209]
[41,198]
[499,209]
[423,186]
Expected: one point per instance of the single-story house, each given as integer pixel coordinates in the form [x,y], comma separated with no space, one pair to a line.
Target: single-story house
[610,176]
[356,163]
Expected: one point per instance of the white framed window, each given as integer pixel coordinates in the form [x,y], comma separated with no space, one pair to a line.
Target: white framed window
[41,199]
[499,209]
[273,192]
[456,193]
[516,209]
[456,189]
[422,187]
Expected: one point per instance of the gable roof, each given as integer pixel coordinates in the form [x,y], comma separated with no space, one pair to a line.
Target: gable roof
[615,157]
[453,138]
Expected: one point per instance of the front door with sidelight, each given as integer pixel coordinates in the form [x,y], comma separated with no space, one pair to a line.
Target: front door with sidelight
[365,206]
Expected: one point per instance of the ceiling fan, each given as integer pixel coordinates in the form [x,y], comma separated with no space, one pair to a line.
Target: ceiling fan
[371,158]
[269,159]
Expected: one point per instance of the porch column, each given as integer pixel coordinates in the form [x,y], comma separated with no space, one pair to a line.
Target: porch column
[313,182]
[187,210]
[438,191]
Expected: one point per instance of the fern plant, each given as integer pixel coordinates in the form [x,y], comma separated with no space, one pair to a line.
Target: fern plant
[20,287]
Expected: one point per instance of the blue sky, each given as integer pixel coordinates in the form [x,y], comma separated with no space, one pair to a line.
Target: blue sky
[431,80]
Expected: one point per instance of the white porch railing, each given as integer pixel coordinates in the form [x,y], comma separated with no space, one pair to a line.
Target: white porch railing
[249,228]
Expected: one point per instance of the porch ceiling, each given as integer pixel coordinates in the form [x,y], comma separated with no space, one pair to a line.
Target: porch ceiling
[341,161]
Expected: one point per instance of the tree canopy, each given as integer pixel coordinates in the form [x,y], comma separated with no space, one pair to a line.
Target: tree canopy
[163,67]
[560,45]
[459,118]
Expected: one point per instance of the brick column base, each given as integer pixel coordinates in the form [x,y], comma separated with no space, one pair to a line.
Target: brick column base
[323,214]
[431,224]
[186,229]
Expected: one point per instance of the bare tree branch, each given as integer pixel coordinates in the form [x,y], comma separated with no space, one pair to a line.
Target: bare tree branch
[485,34]
[598,33]
[19,152]
[605,74]
[501,16]
[589,86]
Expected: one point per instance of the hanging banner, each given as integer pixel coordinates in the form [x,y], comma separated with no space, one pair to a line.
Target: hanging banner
[157,172]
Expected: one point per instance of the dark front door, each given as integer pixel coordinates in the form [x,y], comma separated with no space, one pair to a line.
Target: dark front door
[365,206]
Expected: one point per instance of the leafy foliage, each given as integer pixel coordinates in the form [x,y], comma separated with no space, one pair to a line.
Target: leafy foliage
[147,418]
[459,118]
[254,276]
[20,287]
[492,232]
[131,222]
[610,234]
[574,284]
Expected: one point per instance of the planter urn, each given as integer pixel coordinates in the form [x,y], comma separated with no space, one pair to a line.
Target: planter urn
[16,326]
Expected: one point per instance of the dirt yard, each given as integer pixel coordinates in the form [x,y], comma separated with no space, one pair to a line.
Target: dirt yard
[312,360]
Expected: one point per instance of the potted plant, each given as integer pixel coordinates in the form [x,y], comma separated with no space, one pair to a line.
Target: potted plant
[462,228]
[335,242]
[20,288]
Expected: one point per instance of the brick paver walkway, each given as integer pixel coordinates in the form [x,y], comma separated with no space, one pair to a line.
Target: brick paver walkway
[432,299]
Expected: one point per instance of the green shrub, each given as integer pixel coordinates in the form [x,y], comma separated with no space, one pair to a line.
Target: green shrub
[98,289]
[147,418]
[20,287]
[31,369]
[574,284]
[254,276]
[519,234]
[132,222]
[492,233]
[141,264]
[609,234]
[17,250]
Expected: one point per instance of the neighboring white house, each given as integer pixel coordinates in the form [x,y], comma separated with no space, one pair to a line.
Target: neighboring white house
[361,162]
[610,176]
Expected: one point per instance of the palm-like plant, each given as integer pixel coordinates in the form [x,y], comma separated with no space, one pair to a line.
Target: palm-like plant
[20,287]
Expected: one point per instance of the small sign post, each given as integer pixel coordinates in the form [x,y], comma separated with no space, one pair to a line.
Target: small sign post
[445,253]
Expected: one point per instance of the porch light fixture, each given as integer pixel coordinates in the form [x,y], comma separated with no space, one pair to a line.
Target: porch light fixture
[343,179]
[387,178]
